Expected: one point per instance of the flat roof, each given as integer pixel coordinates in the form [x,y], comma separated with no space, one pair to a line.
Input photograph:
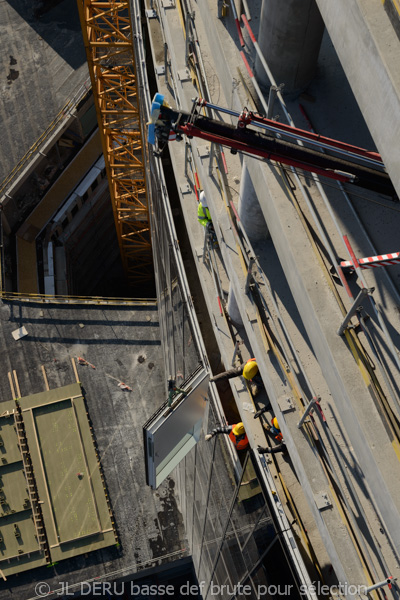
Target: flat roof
[123,344]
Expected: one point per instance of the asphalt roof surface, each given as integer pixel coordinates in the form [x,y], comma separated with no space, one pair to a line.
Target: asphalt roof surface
[123,344]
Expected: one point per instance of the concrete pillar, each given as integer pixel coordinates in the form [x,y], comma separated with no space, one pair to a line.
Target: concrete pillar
[249,210]
[290,38]
[232,308]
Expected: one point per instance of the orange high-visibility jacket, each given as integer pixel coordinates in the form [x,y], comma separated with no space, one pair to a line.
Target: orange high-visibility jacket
[240,442]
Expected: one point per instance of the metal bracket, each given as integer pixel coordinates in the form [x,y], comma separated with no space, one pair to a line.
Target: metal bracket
[173,390]
[151,13]
[236,350]
[286,404]
[354,308]
[184,188]
[203,151]
[307,410]
[273,92]
[184,74]
[249,275]
[322,500]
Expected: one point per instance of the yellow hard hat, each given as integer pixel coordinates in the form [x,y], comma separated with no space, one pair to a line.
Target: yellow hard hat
[275,423]
[250,369]
[238,429]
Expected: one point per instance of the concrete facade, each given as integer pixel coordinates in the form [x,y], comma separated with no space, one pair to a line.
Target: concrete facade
[249,209]
[290,37]
[316,310]
[369,51]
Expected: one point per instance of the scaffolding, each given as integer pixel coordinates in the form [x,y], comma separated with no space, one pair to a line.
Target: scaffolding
[107,33]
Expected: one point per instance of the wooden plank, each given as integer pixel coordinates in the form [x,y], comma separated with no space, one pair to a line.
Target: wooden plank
[45,378]
[17,384]
[50,403]
[74,368]
[11,385]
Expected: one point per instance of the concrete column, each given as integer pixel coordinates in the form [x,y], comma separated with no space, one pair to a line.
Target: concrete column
[232,308]
[290,38]
[249,210]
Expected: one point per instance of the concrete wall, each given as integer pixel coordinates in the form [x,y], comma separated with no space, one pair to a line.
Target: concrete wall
[290,39]
[369,51]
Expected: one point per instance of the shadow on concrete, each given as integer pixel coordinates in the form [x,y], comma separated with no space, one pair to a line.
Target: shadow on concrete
[353,471]
[57,23]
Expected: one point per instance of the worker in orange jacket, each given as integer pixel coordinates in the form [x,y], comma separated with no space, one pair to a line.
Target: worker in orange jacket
[237,435]
[249,370]
[274,430]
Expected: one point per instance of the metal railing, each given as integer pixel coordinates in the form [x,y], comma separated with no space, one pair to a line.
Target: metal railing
[97,300]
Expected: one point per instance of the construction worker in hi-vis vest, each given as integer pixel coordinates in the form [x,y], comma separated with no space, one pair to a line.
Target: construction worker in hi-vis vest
[236,433]
[203,214]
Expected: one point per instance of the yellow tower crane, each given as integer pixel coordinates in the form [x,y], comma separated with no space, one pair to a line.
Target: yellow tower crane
[107,34]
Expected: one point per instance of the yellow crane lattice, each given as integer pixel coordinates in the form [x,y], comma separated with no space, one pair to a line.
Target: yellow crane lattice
[107,34]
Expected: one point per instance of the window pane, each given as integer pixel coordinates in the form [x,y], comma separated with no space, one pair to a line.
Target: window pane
[274,577]
[173,431]
[251,517]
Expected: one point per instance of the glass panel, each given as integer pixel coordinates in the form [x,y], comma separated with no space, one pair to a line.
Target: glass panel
[233,557]
[196,539]
[173,431]
[274,578]
[251,521]
[188,492]
[246,591]
[221,585]
[206,566]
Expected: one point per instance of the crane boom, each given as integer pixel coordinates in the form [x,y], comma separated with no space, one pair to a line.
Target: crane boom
[259,136]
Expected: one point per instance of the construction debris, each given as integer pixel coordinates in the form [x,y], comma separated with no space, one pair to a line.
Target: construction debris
[19,333]
[123,386]
[82,361]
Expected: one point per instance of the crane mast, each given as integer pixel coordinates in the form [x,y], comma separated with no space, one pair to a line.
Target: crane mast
[107,34]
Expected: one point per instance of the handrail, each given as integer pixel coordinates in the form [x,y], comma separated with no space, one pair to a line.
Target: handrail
[54,299]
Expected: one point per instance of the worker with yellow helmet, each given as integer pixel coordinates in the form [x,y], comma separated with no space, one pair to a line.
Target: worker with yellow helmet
[237,435]
[249,370]
[274,430]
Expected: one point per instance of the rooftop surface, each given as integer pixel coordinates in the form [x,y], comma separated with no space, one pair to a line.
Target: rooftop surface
[123,345]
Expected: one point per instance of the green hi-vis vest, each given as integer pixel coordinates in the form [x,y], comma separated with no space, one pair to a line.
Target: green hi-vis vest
[203,215]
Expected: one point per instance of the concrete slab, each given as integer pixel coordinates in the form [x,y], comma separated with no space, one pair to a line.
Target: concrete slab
[369,50]
[123,343]
[44,59]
